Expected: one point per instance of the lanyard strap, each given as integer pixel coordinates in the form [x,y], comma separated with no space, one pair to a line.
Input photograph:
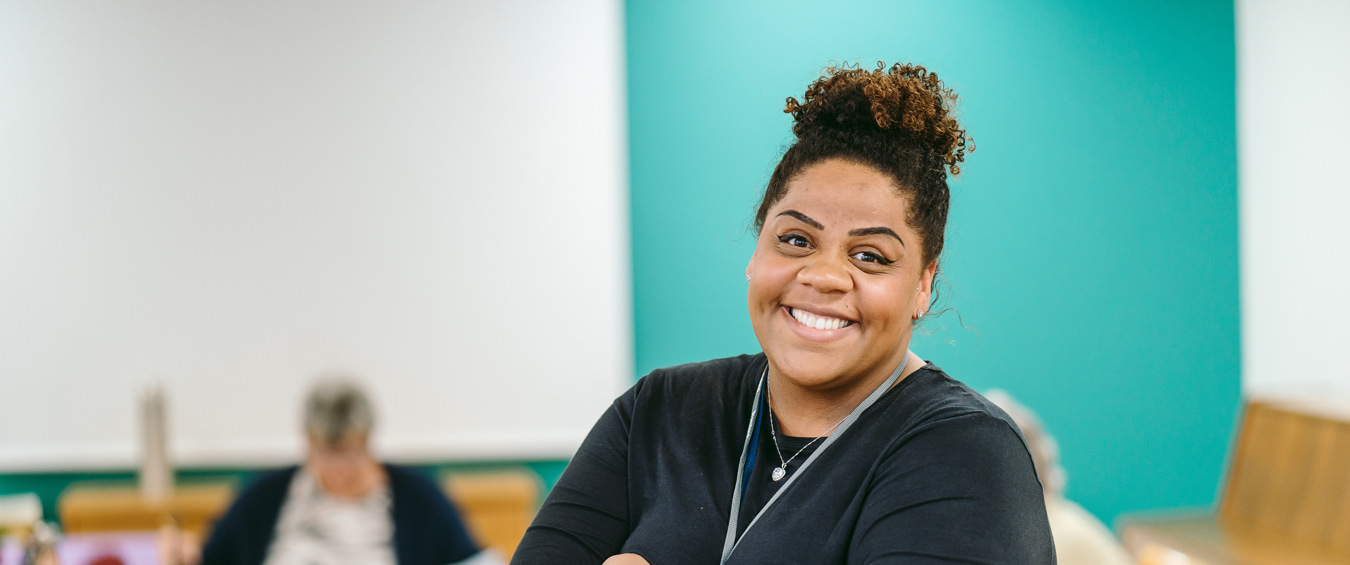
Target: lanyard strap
[742,473]
[753,452]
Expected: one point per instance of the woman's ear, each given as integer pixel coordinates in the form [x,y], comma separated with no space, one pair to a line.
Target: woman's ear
[925,296]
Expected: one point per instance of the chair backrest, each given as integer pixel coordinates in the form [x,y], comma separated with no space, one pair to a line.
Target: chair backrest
[94,506]
[1290,474]
[497,506]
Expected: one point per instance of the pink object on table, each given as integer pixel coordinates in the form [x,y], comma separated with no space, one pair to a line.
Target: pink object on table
[124,548]
[11,553]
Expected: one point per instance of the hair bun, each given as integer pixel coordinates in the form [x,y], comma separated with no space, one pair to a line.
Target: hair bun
[905,102]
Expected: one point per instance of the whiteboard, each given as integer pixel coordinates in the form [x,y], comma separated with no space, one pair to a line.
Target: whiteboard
[231,197]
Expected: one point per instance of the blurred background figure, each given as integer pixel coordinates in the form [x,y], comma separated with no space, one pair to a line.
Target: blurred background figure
[1080,538]
[341,505]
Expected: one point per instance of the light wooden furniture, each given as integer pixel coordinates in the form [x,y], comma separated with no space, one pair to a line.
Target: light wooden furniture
[1286,500]
[18,512]
[497,506]
[104,507]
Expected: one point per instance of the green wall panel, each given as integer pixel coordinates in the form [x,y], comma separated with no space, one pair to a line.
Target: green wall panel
[1092,253]
[48,486]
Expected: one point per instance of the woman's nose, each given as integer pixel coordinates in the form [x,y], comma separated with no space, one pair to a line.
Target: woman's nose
[826,275]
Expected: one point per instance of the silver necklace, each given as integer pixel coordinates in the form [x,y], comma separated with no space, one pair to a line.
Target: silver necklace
[781,471]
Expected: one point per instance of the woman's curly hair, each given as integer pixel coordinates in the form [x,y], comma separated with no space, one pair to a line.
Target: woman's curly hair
[898,121]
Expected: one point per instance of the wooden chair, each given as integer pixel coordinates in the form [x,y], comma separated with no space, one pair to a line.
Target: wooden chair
[103,507]
[1286,500]
[497,506]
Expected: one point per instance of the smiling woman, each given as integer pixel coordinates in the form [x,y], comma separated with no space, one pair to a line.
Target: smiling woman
[836,444]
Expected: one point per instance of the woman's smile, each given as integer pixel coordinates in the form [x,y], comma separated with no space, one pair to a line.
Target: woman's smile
[817,326]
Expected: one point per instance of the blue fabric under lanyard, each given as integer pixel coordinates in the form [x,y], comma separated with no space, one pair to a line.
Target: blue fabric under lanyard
[754,449]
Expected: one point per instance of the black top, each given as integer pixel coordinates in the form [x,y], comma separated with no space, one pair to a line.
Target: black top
[427,528]
[931,473]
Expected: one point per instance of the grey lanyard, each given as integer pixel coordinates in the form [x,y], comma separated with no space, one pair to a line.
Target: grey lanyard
[731,542]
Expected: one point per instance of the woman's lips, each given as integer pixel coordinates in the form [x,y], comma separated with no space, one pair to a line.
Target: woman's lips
[817,327]
[818,321]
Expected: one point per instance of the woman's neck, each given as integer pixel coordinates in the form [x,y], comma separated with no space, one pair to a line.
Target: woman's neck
[355,484]
[803,412]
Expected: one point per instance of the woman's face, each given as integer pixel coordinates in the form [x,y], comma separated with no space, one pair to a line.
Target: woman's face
[836,278]
[345,469]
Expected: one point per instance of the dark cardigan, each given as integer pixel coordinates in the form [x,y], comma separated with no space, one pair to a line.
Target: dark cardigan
[427,528]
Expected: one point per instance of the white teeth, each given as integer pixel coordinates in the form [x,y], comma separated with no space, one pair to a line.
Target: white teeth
[818,322]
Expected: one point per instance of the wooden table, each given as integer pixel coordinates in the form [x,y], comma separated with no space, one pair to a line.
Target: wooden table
[1286,500]
[118,506]
[1202,540]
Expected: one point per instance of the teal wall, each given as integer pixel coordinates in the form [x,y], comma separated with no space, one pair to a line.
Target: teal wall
[1093,242]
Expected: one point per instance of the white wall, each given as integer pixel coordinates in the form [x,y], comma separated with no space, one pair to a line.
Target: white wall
[1294,143]
[232,196]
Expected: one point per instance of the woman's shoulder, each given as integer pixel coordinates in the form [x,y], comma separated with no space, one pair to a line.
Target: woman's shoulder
[713,368]
[948,456]
[937,424]
[270,484]
[409,480]
[713,376]
[930,398]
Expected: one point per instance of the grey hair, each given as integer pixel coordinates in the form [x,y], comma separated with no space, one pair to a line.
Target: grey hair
[337,406]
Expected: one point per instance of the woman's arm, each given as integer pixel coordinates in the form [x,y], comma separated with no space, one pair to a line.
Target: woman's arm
[964,490]
[585,517]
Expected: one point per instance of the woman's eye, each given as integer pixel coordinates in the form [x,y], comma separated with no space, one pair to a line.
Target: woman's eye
[794,240]
[869,257]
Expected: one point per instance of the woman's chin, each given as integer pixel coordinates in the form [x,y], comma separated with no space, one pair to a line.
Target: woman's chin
[807,371]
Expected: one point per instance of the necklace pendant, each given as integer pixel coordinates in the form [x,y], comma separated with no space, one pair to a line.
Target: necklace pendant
[778,474]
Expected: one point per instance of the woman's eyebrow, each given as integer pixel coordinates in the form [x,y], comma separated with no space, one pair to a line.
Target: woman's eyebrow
[804,218]
[877,231]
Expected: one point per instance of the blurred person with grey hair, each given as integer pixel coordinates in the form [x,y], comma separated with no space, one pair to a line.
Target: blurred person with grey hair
[341,506]
[1080,538]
